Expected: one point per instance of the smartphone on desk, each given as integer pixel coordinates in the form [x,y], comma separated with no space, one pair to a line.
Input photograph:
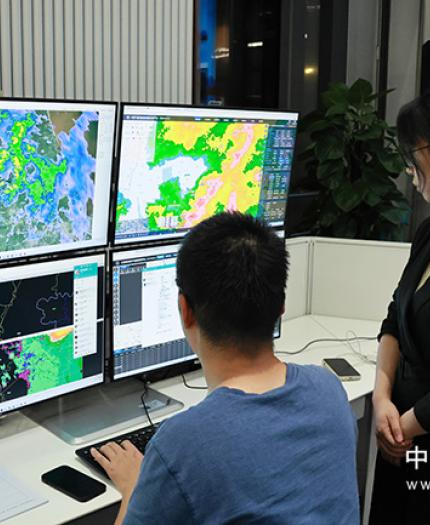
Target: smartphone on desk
[75,484]
[343,370]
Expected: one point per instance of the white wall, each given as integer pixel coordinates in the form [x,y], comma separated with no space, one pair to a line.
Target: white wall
[342,277]
[363,17]
[131,50]
[355,279]
[296,303]
[403,54]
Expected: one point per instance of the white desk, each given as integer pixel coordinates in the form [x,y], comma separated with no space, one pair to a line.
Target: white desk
[27,450]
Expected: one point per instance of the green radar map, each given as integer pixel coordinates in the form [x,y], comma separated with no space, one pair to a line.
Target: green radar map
[47,177]
[40,362]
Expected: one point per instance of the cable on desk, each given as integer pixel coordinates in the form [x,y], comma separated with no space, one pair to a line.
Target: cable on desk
[326,340]
[355,338]
[145,407]
[192,387]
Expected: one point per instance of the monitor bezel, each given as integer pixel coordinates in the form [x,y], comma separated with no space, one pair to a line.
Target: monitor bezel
[178,238]
[116,105]
[161,372]
[61,257]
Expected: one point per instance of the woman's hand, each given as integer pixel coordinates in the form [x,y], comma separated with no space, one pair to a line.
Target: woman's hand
[410,426]
[389,433]
[390,459]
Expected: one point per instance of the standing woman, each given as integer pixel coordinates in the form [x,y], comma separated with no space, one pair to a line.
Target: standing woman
[401,399]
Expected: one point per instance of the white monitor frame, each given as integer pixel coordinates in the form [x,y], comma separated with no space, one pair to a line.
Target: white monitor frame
[151,112]
[100,226]
[36,269]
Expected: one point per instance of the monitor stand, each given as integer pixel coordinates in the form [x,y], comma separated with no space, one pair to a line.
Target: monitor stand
[94,414]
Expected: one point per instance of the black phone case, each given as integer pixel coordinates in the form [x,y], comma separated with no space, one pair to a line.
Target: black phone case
[99,487]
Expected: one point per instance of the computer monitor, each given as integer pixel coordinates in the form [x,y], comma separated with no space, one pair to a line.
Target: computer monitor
[147,332]
[179,165]
[51,329]
[55,175]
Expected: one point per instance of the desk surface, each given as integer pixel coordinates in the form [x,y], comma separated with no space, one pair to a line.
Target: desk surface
[27,450]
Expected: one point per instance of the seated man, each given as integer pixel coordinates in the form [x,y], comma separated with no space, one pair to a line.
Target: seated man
[271,443]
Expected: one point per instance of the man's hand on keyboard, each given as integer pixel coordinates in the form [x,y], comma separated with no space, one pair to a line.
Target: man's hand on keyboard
[121,463]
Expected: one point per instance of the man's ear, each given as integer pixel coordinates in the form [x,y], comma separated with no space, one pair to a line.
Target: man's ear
[186,312]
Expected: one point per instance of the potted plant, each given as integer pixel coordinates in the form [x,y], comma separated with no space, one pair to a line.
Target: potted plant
[353,158]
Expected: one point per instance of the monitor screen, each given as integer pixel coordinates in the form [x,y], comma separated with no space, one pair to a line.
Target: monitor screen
[51,329]
[180,165]
[55,175]
[147,330]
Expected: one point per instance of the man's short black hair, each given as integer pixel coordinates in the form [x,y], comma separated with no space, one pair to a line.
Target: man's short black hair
[232,270]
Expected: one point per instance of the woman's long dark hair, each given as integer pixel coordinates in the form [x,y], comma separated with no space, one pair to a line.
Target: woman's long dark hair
[413,128]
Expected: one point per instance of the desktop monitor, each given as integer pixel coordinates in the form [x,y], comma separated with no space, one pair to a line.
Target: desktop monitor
[55,175]
[51,329]
[147,332]
[180,165]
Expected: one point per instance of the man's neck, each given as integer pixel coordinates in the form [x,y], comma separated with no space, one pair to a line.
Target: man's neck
[252,372]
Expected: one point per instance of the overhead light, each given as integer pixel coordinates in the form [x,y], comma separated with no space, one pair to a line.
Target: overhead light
[255,44]
[310,70]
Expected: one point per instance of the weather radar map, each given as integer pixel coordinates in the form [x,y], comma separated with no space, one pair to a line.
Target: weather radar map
[175,173]
[36,335]
[47,177]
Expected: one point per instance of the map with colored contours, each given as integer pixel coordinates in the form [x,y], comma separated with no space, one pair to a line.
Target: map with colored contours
[40,362]
[47,177]
[187,171]
[36,335]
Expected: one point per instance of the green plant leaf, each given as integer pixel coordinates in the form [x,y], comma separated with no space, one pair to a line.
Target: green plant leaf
[336,93]
[380,94]
[327,169]
[372,199]
[359,91]
[347,197]
[329,148]
[352,161]
[374,132]
[393,215]
[392,162]
[318,125]
[377,182]
[402,203]
[337,109]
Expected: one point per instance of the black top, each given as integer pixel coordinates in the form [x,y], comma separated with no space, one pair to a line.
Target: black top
[408,320]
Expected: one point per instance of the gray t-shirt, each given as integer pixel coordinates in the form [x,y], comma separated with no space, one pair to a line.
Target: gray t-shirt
[285,457]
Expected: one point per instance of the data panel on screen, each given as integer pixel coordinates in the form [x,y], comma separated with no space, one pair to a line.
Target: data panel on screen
[147,330]
[51,329]
[55,175]
[180,165]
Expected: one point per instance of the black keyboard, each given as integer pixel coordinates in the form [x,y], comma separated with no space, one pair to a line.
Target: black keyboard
[139,438]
